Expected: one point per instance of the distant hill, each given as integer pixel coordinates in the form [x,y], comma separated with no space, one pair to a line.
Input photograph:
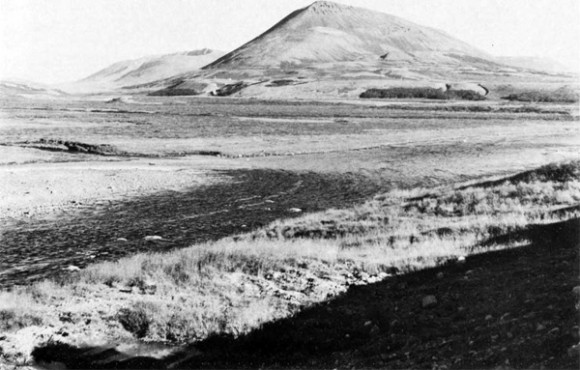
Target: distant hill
[325,49]
[329,32]
[148,69]
[20,88]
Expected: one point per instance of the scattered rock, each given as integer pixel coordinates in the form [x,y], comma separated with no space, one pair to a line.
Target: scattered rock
[149,287]
[461,260]
[72,268]
[125,289]
[488,318]
[554,331]
[429,301]
[134,321]
[295,210]
[574,351]
[122,240]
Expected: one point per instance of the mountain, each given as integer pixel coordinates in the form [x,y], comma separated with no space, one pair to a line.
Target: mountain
[148,69]
[21,88]
[325,49]
[328,32]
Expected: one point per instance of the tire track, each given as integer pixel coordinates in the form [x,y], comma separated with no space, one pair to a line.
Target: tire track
[251,199]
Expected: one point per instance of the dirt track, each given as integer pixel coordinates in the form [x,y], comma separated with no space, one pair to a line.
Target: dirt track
[248,199]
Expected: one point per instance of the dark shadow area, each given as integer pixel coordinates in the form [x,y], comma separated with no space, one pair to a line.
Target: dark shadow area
[506,308]
[246,200]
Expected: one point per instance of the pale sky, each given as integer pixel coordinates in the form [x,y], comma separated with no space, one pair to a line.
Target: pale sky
[63,40]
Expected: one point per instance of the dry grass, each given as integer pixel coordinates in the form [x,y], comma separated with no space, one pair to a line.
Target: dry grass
[236,284]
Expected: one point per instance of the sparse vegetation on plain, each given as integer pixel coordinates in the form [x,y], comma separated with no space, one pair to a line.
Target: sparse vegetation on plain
[236,284]
[174,92]
[533,96]
[421,93]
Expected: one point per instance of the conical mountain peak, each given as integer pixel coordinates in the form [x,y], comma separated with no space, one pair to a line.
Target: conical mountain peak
[327,8]
[329,32]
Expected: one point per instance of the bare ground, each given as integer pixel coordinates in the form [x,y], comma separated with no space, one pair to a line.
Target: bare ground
[247,200]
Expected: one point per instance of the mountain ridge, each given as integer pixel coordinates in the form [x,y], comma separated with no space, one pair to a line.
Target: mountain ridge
[152,68]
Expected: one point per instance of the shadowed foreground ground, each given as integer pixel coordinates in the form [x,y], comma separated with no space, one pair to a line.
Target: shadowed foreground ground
[512,308]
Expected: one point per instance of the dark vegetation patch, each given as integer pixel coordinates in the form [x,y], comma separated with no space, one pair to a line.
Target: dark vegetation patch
[420,93]
[557,96]
[278,83]
[230,89]
[73,146]
[285,82]
[54,145]
[175,92]
[134,320]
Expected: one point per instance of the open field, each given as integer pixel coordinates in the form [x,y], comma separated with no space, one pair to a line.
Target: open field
[265,209]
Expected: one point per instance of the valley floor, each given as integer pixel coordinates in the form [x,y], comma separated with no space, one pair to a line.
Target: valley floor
[301,226]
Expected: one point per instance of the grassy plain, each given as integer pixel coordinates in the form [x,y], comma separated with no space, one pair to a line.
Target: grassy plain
[255,210]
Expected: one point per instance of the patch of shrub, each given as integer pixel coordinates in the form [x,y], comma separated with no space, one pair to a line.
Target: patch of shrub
[558,96]
[174,92]
[277,83]
[464,95]
[420,93]
[230,89]
[134,320]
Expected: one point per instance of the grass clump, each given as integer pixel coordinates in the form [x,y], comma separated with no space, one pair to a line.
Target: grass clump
[421,93]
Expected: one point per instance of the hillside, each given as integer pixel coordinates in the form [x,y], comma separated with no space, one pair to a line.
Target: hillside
[328,32]
[542,64]
[338,51]
[20,88]
[148,69]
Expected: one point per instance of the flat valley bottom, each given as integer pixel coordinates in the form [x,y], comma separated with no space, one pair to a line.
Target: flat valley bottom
[230,233]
